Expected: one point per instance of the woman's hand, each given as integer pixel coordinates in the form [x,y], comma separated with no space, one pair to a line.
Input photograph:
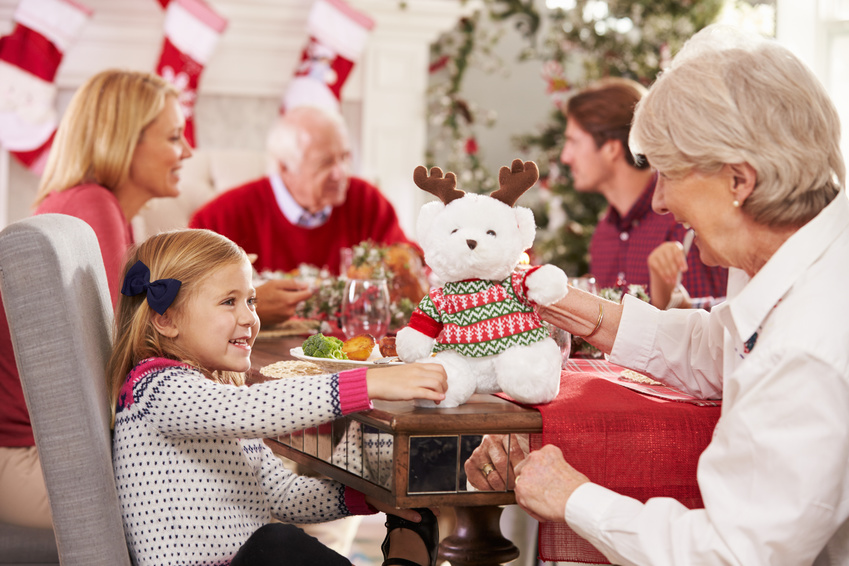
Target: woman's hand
[582,313]
[544,484]
[276,300]
[490,468]
[407,382]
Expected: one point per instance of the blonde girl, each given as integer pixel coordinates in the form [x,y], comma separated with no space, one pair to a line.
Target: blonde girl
[196,483]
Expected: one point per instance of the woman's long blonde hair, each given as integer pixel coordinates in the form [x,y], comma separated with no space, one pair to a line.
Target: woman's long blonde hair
[100,129]
[190,256]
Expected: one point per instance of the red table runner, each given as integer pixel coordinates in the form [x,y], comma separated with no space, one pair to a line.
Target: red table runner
[634,444]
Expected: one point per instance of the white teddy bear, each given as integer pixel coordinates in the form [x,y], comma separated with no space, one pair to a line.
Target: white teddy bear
[481,323]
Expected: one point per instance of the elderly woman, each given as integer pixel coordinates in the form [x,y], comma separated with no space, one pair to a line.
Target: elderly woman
[746,144]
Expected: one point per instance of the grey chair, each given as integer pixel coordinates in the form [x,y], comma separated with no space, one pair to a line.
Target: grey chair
[22,546]
[59,310]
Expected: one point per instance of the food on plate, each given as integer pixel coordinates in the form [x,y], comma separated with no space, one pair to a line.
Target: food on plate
[387,347]
[359,347]
[321,346]
[631,375]
[291,368]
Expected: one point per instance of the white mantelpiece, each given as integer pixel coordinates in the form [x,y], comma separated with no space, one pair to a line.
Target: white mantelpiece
[252,64]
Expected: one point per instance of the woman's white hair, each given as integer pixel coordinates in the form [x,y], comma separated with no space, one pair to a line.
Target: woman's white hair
[732,98]
[290,135]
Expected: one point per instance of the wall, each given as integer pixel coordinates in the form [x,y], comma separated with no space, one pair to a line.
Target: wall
[241,85]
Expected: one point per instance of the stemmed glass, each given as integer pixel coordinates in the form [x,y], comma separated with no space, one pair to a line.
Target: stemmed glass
[365,308]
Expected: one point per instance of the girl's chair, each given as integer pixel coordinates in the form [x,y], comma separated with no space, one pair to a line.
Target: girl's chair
[59,311]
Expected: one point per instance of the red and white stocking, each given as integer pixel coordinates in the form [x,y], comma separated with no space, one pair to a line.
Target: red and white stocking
[192,30]
[29,59]
[337,36]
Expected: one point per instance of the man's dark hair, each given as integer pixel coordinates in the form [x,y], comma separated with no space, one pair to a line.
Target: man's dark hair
[605,110]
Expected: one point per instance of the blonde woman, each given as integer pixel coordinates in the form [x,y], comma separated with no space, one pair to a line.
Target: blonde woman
[119,144]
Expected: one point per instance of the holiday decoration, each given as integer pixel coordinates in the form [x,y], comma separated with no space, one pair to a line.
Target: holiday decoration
[337,36]
[588,40]
[481,322]
[29,59]
[192,30]
[454,121]
[399,264]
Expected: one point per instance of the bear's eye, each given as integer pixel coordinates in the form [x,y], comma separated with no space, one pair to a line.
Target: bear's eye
[490,232]
[454,230]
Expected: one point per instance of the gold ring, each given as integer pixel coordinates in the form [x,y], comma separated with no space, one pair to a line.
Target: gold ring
[487,469]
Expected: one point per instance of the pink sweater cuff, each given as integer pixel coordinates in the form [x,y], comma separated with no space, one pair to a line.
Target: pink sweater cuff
[356,503]
[353,391]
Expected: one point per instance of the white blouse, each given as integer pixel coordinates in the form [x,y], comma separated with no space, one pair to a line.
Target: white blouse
[775,477]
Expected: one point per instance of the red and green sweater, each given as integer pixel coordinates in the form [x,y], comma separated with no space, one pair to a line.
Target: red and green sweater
[480,318]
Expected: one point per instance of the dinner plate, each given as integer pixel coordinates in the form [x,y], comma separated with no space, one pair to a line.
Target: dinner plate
[331,364]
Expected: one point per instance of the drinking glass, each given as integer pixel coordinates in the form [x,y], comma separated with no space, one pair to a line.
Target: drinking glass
[365,308]
[563,340]
[586,283]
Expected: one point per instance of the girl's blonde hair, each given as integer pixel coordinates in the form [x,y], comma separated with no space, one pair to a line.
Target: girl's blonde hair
[190,256]
[99,131]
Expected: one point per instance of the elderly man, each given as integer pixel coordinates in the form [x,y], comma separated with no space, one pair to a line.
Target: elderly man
[596,150]
[306,210]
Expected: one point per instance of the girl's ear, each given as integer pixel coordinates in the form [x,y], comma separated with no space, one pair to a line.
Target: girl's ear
[165,325]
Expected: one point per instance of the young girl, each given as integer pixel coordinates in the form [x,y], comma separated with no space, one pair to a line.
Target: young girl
[197,484]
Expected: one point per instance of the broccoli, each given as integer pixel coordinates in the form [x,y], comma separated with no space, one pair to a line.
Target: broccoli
[321,346]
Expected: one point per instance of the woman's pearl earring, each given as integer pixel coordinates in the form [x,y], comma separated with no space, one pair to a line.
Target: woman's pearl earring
[736,203]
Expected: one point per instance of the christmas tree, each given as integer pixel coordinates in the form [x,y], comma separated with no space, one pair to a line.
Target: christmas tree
[577,43]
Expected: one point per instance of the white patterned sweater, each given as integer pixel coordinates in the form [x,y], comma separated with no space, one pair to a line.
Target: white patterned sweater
[194,477]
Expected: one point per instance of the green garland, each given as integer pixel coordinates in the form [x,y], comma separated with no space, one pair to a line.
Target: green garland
[594,39]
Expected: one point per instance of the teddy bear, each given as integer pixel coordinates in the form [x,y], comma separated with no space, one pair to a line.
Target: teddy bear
[480,324]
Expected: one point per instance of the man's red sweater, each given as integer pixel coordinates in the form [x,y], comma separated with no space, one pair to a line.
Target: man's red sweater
[250,216]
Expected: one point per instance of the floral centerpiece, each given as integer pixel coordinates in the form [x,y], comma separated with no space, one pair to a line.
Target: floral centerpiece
[399,264]
[402,267]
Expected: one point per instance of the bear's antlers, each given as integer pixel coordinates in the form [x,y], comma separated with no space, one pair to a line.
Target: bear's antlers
[443,187]
[515,180]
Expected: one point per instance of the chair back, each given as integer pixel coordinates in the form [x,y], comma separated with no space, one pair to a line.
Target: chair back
[59,310]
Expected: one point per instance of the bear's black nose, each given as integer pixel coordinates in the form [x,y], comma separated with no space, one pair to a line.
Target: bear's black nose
[472,244]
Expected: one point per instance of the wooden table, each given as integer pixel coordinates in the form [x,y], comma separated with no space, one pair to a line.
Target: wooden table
[425,450]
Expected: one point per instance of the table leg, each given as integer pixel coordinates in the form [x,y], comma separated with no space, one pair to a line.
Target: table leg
[477,539]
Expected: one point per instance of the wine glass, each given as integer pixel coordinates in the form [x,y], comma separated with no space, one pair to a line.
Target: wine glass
[365,308]
[563,340]
[586,283]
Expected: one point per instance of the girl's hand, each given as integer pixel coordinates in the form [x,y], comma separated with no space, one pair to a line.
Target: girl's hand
[407,382]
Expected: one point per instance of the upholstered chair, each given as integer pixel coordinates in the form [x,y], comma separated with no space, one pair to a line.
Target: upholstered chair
[59,310]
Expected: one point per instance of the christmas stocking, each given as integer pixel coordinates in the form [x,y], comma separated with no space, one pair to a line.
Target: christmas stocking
[29,59]
[192,30]
[337,35]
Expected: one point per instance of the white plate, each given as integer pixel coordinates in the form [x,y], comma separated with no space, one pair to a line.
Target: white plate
[331,364]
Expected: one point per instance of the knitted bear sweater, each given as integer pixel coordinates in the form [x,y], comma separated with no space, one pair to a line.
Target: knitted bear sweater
[194,477]
[479,318]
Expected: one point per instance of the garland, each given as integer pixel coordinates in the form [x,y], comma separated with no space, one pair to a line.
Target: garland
[592,39]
